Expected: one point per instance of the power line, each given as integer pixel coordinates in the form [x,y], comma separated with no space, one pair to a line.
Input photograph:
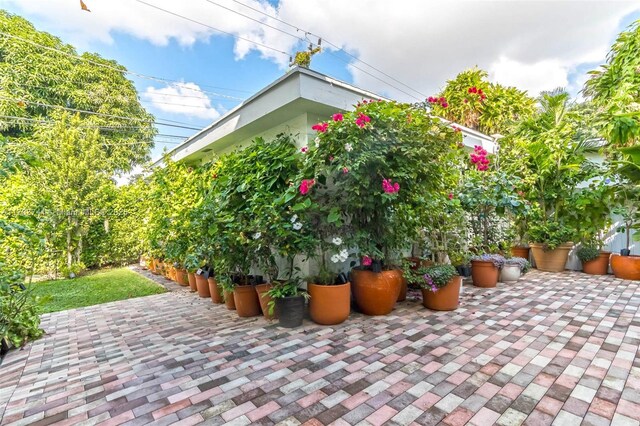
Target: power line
[333,45]
[111,67]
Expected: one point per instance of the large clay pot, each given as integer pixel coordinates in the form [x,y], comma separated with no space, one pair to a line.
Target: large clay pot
[446,298]
[626,267]
[597,266]
[484,273]
[202,285]
[264,299]
[181,277]
[172,273]
[551,260]
[247,303]
[376,292]
[510,273]
[329,304]
[290,311]
[152,266]
[229,301]
[214,291]
[402,296]
[191,277]
[522,252]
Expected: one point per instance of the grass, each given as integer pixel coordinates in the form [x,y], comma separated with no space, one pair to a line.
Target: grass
[100,287]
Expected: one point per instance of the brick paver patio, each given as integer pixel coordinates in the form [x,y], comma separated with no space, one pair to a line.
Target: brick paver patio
[553,348]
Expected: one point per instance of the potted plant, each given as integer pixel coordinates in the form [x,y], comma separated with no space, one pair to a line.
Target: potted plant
[513,268]
[440,285]
[554,244]
[625,265]
[485,269]
[387,156]
[288,301]
[227,287]
[594,261]
[461,261]
[192,264]
[330,297]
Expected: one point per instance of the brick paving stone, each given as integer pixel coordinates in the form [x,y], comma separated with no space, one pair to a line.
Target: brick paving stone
[551,348]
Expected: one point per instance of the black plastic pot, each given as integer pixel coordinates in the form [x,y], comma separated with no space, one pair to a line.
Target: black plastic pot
[290,311]
[464,270]
[625,252]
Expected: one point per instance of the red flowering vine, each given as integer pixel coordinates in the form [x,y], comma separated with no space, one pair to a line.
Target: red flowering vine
[389,187]
[306,185]
[338,117]
[320,127]
[362,120]
[479,158]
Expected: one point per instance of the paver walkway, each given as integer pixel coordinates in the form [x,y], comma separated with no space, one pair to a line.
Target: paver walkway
[553,348]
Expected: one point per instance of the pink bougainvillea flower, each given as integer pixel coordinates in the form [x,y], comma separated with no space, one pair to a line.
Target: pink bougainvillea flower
[444,105]
[304,149]
[338,117]
[345,170]
[466,100]
[396,187]
[442,99]
[451,195]
[366,261]
[430,99]
[306,185]
[320,127]
[389,187]
[362,120]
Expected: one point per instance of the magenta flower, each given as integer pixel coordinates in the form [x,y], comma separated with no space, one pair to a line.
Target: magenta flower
[451,195]
[320,127]
[345,170]
[362,120]
[444,105]
[389,187]
[306,185]
[338,117]
[304,149]
[366,261]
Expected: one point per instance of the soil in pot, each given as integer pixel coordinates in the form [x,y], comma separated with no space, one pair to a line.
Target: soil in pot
[522,252]
[626,267]
[247,303]
[202,286]
[191,278]
[446,298]
[597,266]
[329,304]
[214,291]
[484,274]
[229,301]
[290,311]
[181,277]
[376,292]
[551,260]
[264,299]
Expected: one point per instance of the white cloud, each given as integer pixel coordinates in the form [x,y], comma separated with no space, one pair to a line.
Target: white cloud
[184,98]
[532,44]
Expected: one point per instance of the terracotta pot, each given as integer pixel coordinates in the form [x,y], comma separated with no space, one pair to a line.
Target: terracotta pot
[214,291]
[446,298]
[172,273]
[551,260]
[181,277]
[510,273]
[626,267]
[484,274]
[229,301]
[403,290]
[376,292]
[152,266]
[247,303]
[597,266]
[203,286]
[522,252]
[329,304]
[264,299]
[191,277]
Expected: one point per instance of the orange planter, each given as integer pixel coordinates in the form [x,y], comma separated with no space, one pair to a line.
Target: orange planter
[172,273]
[214,291]
[192,281]
[484,274]
[329,304]
[626,267]
[181,277]
[551,260]
[203,286]
[522,252]
[229,301]
[264,300]
[597,266]
[152,266]
[247,303]
[376,292]
[446,298]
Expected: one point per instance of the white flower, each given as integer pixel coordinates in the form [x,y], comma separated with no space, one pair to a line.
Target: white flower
[337,241]
[335,258]
[294,218]
[344,254]
[317,142]
[348,147]
[297,226]
[257,235]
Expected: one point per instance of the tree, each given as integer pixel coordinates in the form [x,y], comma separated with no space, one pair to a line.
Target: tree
[472,101]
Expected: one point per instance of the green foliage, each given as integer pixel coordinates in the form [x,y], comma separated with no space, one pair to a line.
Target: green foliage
[522,263]
[586,253]
[72,271]
[497,113]
[282,289]
[303,58]
[430,277]
[19,309]
[361,149]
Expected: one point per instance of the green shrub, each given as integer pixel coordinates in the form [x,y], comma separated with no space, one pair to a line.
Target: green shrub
[586,253]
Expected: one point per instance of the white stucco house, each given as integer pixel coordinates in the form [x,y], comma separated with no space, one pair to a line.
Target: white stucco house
[292,104]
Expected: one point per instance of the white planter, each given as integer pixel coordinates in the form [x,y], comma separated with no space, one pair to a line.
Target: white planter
[510,273]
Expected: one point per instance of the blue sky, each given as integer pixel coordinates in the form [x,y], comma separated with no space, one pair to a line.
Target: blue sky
[533,45]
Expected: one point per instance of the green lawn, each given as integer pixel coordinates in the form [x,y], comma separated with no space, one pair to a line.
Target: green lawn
[99,287]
